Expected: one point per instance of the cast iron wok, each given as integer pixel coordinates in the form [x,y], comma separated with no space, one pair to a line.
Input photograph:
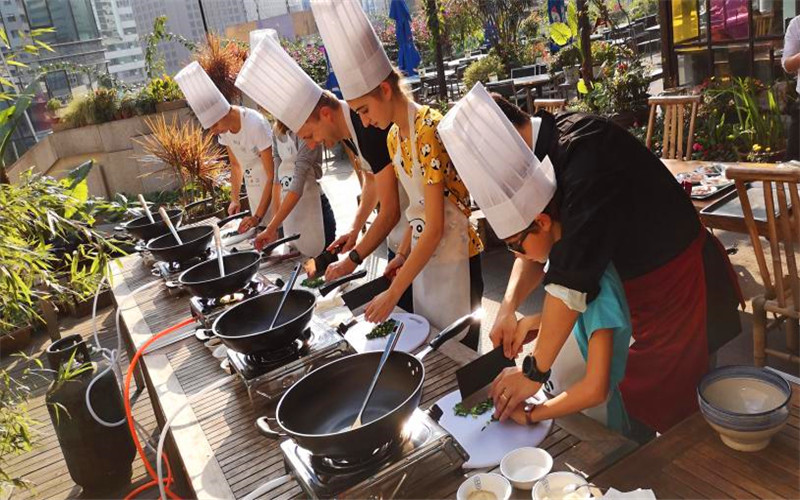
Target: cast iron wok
[195,242]
[203,279]
[245,327]
[143,229]
[318,410]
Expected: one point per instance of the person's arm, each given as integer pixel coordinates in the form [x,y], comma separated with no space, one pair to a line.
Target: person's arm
[266,193]
[591,390]
[525,276]
[381,307]
[236,183]
[791,48]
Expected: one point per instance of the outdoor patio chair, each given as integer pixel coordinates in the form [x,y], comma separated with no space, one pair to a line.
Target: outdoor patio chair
[552,106]
[675,144]
[782,287]
[524,71]
[503,87]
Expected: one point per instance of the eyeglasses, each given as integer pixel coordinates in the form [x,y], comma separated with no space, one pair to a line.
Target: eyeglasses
[516,245]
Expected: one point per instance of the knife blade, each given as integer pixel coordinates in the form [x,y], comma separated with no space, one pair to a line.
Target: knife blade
[320,263]
[475,378]
[357,297]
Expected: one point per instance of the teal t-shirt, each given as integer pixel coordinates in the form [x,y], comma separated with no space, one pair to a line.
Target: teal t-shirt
[609,310]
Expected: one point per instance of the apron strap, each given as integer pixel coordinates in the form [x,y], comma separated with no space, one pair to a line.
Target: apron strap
[547,134]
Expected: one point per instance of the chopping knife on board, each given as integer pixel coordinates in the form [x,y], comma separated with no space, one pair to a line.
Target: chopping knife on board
[320,263]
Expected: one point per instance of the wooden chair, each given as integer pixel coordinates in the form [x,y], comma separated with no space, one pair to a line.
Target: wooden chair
[552,106]
[674,140]
[782,287]
[762,24]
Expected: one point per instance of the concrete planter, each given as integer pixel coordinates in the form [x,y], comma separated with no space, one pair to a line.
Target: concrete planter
[163,107]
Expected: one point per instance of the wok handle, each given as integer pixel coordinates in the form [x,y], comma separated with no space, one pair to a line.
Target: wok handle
[275,244]
[204,334]
[262,425]
[229,218]
[451,331]
[328,287]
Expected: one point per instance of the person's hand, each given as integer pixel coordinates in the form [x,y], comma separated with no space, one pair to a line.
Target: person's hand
[234,207]
[505,326]
[339,269]
[248,223]
[344,243]
[266,237]
[394,266]
[510,389]
[520,414]
[527,330]
[379,309]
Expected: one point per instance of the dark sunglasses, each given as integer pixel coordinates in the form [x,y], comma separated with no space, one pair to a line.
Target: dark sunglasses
[516,245]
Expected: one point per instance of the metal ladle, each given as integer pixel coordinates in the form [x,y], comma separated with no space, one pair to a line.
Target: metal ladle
[288,289]
[388,350]
[218,244]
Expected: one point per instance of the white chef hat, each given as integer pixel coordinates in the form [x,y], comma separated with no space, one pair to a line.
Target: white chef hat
[258,35]
[275,81]
[203,96]
[506,179]
[355,52]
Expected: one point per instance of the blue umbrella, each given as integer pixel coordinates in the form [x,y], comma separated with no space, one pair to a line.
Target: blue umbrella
[407,56]
[332,83]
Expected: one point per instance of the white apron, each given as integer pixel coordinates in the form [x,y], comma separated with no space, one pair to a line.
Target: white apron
[255,177]
[442,289]
[395,237]
[306,217]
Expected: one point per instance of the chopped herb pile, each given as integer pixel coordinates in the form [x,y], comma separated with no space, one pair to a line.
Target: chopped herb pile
[475,411]
[313,282]
[382,329]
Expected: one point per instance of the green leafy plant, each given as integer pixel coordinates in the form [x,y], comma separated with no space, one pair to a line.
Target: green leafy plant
[622,90]
[68,372]
[16,424]
[53,105]
[164,89]
[480,70]
[309,55]
[565,58]
[154,65]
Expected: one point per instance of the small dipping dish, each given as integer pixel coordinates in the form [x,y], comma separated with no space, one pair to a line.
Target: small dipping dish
[524,466]
[561,486]
[486,486]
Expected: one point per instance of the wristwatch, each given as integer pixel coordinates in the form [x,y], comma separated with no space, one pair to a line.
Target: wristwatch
[531,371]
[353,255]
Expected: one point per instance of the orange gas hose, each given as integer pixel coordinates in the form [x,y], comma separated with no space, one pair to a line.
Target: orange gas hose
[129,416]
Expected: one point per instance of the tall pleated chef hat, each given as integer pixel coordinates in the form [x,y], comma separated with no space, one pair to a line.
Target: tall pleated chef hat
[506,179]
[274,80]
[203,96]
[355,52]
[258,35]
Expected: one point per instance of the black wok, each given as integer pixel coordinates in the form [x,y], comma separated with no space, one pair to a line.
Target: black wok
[143,229]
[245,327]
[203,279]
[195,242]
[318,410]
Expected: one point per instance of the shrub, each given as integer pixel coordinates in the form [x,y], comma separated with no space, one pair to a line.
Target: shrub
[105,104]
[566,57]
[53,105]
[480,70]
[222,61]
[79,112]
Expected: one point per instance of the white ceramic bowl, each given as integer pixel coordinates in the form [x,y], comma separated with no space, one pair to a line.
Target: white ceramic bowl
[746,405]
[561,486]
[487,486]
[524,466]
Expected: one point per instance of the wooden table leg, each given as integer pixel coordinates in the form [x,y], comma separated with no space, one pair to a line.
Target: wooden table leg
[792,335]
[50,319]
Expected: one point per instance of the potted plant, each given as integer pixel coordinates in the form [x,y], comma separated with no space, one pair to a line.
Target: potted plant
[195,158]
[166,94]
[15,334]
[483,69]
[568,60]
[16,426]
[222,62]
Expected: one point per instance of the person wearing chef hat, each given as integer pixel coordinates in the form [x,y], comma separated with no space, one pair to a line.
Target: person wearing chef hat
[440,254]
[273,79]
[244,132]
[516,192]
[679,285]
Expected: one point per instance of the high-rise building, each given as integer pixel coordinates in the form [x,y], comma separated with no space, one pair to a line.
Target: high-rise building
[223,13]
[120,36]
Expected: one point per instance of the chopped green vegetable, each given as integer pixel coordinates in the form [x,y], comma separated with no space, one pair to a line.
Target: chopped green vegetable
[382,329]
[313,282]
[475,411]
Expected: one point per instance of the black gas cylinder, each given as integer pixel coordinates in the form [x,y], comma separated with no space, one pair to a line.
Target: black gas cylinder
[99,458]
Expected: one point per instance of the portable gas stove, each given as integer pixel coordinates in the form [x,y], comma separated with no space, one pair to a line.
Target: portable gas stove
[267,375]
[169,271]
[424,454]
[207,309]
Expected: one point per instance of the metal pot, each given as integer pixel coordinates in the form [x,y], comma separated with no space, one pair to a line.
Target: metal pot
[195,242]
[318,410]
[245,327]
[203,279]
[143,229]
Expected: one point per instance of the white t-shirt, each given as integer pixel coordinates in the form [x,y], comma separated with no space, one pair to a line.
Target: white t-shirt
[791,44]
[254,137]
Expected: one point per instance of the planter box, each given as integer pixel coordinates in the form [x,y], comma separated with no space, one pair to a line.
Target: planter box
[79,309]
[15,341]
[162,107]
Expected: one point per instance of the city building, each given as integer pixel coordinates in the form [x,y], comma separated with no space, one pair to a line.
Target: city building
[118,30]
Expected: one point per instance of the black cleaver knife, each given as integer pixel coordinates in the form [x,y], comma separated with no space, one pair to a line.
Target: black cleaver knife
[359,296]
[475,378]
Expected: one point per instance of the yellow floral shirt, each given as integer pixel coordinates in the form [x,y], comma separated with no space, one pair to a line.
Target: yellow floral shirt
[435,163]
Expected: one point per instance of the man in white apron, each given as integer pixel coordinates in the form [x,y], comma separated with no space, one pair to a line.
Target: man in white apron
[438,262]
[273,79]
[244,132]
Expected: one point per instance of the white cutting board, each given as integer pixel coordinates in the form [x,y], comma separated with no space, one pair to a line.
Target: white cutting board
[415,333]
[486,448]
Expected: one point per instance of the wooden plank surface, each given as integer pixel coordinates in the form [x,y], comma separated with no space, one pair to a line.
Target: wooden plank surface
[690,461]
[219,446]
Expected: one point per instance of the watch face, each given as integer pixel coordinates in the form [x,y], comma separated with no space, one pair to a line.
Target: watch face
[526,364]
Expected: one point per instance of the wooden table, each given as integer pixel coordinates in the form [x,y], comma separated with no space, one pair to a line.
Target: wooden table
[214,439]
[529,82]
[726,222]
[690,461]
